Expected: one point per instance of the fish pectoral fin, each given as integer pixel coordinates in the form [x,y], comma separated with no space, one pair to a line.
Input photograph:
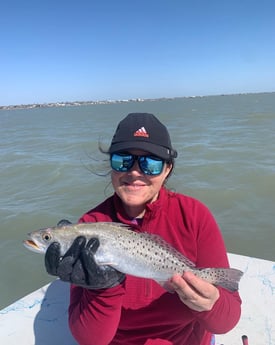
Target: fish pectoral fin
[107,263]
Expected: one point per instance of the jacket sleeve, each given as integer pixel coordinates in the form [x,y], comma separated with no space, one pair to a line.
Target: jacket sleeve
[224,315]
[211,252]
[94,314]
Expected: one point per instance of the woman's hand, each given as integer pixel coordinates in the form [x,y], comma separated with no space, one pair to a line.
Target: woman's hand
[194,292]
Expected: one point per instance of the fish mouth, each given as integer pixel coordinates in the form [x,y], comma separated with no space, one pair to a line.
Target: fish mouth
[31,245]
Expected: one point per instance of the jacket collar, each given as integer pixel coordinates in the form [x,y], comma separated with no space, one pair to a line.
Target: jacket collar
[151,208]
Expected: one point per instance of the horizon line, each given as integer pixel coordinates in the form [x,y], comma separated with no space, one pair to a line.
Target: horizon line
[107,101]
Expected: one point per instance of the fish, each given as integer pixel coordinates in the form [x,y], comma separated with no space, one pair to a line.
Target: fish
[135,253]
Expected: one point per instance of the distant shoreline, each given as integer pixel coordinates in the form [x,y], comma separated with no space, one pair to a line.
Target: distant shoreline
[67,104]
[79,103]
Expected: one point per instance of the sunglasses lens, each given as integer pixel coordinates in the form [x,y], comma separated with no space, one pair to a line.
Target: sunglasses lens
[151,165]
[121,162]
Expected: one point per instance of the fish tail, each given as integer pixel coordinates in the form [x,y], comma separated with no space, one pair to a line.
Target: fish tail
[227,278]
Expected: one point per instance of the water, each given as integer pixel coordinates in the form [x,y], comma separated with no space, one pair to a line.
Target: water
[226,147]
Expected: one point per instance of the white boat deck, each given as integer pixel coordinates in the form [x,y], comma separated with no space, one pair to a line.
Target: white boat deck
[41,317]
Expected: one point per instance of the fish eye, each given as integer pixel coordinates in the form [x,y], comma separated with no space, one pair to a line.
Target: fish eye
[47,237]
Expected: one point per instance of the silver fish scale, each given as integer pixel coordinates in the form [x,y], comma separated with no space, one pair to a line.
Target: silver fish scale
[160,254]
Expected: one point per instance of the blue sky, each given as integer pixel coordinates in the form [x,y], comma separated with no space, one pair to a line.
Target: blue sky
[95,50]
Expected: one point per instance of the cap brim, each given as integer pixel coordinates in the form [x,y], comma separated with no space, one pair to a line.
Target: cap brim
[159,151]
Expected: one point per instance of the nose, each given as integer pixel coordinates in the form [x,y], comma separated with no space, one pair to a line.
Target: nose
[136,169]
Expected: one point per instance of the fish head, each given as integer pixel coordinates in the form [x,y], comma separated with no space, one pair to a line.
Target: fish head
[39,240]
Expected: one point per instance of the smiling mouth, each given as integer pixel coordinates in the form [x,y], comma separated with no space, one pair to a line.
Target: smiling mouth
[134,185]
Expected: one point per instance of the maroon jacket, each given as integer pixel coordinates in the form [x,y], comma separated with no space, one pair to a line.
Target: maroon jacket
[140,311]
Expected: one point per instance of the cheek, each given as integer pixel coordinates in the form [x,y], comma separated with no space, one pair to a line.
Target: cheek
[157,183]
[115,179]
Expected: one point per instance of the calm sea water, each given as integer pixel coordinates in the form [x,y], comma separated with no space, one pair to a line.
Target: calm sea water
[226,147]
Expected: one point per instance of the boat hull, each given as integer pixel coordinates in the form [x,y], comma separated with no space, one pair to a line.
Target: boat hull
[41,317]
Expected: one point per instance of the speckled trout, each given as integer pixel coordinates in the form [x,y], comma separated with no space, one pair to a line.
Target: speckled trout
[138,254]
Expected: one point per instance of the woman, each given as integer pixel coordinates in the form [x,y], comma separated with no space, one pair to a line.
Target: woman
[108,308]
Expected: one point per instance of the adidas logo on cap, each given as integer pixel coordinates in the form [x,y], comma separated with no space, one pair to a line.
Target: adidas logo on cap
[141,132]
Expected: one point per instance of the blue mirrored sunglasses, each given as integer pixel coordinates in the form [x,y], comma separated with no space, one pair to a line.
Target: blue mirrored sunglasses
[149,165]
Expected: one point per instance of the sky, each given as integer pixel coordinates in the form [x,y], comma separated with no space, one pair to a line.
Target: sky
[88,50]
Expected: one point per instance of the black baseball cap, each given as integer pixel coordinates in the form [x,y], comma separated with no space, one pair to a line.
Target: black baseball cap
[145,132]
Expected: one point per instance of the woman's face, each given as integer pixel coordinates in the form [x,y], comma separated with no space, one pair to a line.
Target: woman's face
[136,189]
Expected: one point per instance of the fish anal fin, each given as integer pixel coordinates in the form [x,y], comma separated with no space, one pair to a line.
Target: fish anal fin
[166,285]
